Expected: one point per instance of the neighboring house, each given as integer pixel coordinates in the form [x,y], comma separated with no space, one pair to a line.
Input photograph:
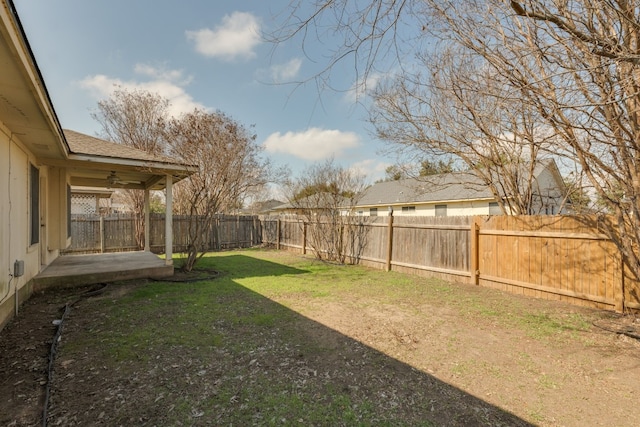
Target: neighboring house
[91,201]
[39,162]
[458,194]
[316,204]
[262,208]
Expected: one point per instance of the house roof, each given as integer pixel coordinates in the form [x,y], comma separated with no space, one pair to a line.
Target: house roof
[454,186]
[80,143]
[94,162]
[428,189]
[317,201]
[269,205]
[103,193]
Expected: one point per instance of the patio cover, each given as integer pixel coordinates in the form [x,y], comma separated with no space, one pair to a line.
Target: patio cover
[93,162]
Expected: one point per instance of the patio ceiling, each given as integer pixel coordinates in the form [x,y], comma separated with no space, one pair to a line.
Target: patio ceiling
[114,176]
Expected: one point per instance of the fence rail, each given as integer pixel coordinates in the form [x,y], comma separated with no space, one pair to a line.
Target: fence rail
[554,257]
[91,234]
[566,258]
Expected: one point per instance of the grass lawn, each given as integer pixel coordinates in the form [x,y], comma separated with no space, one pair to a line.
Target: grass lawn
[281,339]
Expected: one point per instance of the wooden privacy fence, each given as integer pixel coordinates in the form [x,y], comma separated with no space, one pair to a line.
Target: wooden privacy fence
[91,234]
[554,257]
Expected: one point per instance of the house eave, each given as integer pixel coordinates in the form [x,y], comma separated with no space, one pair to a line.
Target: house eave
[29,112]
[93,171]
[422,203]
[105,163]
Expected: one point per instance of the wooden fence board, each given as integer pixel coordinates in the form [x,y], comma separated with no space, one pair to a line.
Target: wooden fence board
[560,257]
[569,257]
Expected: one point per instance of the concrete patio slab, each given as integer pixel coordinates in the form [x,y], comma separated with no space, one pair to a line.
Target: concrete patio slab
[78,270]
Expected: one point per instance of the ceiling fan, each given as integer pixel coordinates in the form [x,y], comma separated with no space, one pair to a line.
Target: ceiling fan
[115,180]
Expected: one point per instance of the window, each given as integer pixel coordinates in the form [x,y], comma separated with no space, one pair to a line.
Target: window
[34,190]
[441,210]
[494,208]
[373,211]
[408,209]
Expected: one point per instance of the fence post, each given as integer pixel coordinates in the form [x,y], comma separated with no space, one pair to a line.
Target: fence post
[620,301]
[389,240]
[251,233]
[218,224]
[278,234]
[620,304]
[304,237]
[474,256]
[102,240]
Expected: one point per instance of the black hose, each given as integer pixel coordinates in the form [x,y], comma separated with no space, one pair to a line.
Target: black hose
[52,356]
[54,345]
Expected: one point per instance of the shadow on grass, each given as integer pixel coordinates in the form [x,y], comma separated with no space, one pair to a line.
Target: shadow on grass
[218,353]
[242,266]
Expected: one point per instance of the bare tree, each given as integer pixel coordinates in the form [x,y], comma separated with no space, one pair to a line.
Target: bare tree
[230,168]
[444,102]
[576,65]
[586,86]
[134,118]
[561,73]
[425,167]
[324,195]
[464,110]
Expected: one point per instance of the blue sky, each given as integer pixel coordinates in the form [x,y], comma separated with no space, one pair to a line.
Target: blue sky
[200,53]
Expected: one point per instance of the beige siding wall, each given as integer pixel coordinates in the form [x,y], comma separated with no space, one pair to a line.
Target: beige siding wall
[58,237]
[14,203]
[465,208]
[15,243]
[5,230]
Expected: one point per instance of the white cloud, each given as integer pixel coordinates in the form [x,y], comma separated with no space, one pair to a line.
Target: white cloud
[169,84]
[235,37]
[363,88]
[312,144]
[160,73]
[283,73]
[371,168]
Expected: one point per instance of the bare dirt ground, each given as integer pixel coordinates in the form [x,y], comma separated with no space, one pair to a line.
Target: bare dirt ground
[480,370]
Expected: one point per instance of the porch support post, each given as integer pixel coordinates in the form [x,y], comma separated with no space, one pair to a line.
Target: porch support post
[168,223]
[147,220]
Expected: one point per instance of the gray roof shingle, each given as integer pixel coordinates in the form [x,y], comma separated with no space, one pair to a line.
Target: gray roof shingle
[434,188]
[80,143]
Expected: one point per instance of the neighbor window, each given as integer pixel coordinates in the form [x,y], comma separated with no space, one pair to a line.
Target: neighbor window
[408,209]
[34,175]
[441,210]
[373,211]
